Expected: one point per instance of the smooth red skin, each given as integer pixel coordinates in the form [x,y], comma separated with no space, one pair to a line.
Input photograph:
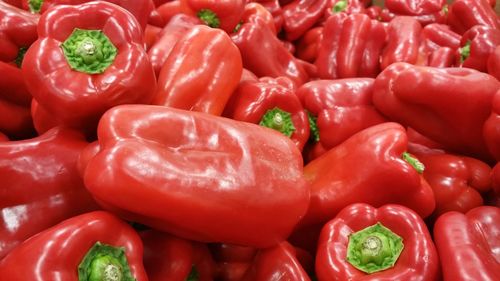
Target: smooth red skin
[248,75]
[493,63]
[140,9]
[42,120]
[201,72]
[40,185]
[414,7]
[3,137]
[374,12]
[353,7]
[55,253]
[448,105]
[278,263]
[483,40]
[265,55]
[167,257]
[415,137]
[16,120]
[308,44]
[80,104]
[251,100]
[313,151]
[151,35]
[403,41]
[255,10]
[441,57]
[229,12]
[274,7]
[426,19]
[162,14]
[175,29]
[464,14]
[17,29]
[231,271]
[495,179]
[366,168]
[418,260]
[351,47]
[468,244]
[343,107]
[300,15]
[222,179]
[437,35]
[457,181]
[491,129]
[89,152]
[17,3]
[233,253]
[160,2]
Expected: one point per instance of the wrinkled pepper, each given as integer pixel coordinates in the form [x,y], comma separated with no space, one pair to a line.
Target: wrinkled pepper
[351,47]
[476,46]
[365,243]
[403,41]
[447,105]
[98,46]
[222,179]
[167,257]
[40,185]
[341,107]
[271,103]
[464,14]
[493,63]
[191,77]
[92,246]
[370,167]
[254,11]
[468,244]
[301,15]
[217,14]
[491,129]
[438,35]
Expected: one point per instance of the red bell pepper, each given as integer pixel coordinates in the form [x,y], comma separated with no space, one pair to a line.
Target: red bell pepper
[274,7]
[441,57]
[491,129]
[271,103]
[439,35]
[414,7]
[270,59]
[232,261]
[254,11]
[301,15]
[162,14]
[403,41]
[493,63]
[308,45]
[212,172]
[167,257]
[217,14]
[477,44]
[370,167]
[342,107]
[388,243]
[92,246]
[40,185]
[278,263]
[151,35]
[97,46]
[464,14]
[344,6]
[17,32]
[468,244]
[351,47]
[448,105]
[201,72]
[175,29]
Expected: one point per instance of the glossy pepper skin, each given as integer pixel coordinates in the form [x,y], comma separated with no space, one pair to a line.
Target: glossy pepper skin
[342,107]
[448,105]
[403,41]
[56,253]
[473,237]
[255,12]
[414,7]
[437,35]
[344,6]
[222,179]
[224,14]
[201,72]
[274,7]
[493,63]
[265,55]
[278,263]
[369,168]
[351,47]
[418,260]
[98,82]
[464,14]
[253,100]
[491,128]
[17,30]
[308,44]
[167,257]
[40,185]
[476,46]
[301,15]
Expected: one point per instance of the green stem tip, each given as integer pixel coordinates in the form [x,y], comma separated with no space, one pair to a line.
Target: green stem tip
[209,18]
[193,275]
[414,162]
[35,6]
[340,6]
[313,127]
[465,52]
[20,56]
[278,120]
[105,263]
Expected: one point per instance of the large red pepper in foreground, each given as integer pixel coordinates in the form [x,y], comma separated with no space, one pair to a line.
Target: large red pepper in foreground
[448,105]
[40,185]
[200,177]
[87,59]
[468,244]
[92,246]
[388,243]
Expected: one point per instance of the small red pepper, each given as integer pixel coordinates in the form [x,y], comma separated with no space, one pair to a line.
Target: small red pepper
[92,246]
[491,129]
[308,44]
[301,15]
[403,41]
[271,103]
[468,244]
[464,14]
[351,47]
[435,35]
[201,72]
[447,105]
[99,47]
[370,167]
[365,243]
[217,14]
[476,46]
[493,63]
[255,10]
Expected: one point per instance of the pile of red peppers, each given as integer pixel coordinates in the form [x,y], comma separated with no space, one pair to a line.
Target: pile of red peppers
[249,140]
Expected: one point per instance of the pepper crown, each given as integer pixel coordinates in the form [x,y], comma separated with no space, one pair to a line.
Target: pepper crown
[278,120]
[104,263]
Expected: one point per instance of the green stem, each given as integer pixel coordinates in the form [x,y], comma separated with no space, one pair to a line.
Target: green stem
[193,275]
[414,162]
[35,6]
[465,52]
[278,120]
[105,263]
[20,56]
[340,6]
[313,127]
[374,248]
[209,18]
